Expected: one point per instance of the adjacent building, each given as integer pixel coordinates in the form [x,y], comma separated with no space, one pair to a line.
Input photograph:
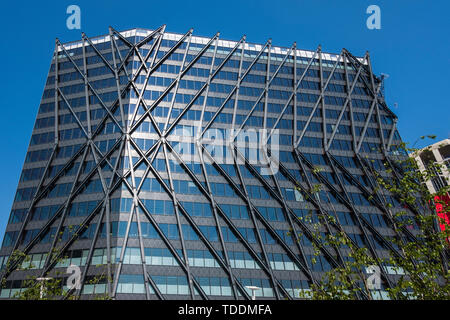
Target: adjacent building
[437,153]
[173,166]
[435,158]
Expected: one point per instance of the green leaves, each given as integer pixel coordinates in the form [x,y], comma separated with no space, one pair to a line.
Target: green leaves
[423,261]
[49,287]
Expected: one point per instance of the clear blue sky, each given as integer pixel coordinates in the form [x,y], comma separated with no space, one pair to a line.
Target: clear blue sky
[412,48]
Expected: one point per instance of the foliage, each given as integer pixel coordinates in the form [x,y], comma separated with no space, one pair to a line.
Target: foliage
[49,287]
[422,247]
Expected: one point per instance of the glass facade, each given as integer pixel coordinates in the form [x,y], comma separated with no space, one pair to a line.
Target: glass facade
[134,169]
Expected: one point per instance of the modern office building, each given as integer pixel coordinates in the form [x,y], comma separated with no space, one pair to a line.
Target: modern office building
[173,166]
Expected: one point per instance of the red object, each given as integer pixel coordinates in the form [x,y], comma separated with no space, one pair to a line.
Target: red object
[440,212]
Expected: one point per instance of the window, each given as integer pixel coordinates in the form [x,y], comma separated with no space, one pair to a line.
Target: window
[131,284]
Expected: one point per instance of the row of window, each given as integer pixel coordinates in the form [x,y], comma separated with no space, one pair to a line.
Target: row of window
[165,207]
[177,285]
[157,257]
[186,187]
[93,99]
[250,78]
[149,232]
[231,63]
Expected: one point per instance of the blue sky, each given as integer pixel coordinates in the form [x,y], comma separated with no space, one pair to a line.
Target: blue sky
[412,47]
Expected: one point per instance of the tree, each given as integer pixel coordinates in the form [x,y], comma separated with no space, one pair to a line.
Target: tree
[423,260]
[50,287]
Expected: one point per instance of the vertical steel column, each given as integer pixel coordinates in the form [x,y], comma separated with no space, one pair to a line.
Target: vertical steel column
[294,91]
[177,80]
[133,210]
[238,86]
[324,114]
[177,215]
[350,104]
[86,90]
[266,85]
[391,136]
[380,127]
[56,113]
[117,77]
[205,173]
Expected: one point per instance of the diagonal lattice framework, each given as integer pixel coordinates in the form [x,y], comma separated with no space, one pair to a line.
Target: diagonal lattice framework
[114,177]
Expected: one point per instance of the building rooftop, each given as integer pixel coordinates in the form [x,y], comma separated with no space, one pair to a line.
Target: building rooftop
[204,40]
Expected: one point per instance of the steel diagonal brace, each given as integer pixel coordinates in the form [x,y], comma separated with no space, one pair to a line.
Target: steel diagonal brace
[294,94]
[374,198]
[346,103]
[216,218]
[350,206]
[358,215]
[170,87]
[225,218]
[324,212]
[203,88]
[355,62]
[231,93]
[321,97]
[47,225]
[261,217]
[185,214]
[92,89]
